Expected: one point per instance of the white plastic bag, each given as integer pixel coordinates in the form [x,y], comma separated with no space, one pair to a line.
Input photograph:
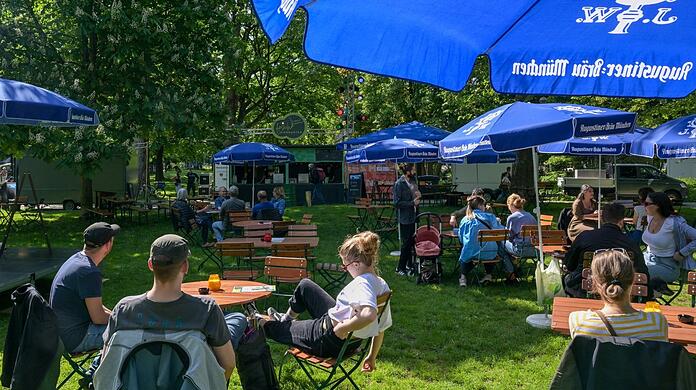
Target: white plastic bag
[548,282]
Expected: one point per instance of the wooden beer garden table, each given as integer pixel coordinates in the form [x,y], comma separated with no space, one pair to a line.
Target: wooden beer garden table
[260,244]
[224,297]
[677,332]
[252,223]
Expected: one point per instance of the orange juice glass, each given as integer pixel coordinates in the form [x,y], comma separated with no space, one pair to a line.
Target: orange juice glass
[214,282]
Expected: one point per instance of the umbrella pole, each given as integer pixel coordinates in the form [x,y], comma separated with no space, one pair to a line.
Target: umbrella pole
[398,226]
[253,183]
[599,193]
[537,209]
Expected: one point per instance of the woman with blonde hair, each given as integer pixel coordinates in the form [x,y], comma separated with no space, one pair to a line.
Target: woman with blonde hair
[612,279]
[516,245]
[353,311]
[279,200]
[584,204]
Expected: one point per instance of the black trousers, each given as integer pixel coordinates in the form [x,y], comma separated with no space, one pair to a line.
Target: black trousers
[406,258]
[315,336]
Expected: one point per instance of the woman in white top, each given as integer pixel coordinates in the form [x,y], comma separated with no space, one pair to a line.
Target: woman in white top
[640,218]
[670,241]
[353,311]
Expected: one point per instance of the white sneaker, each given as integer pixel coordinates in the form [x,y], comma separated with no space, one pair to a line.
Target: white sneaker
[462,281]
[486,279]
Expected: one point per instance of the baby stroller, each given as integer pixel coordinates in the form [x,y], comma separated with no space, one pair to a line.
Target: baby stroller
[428,248]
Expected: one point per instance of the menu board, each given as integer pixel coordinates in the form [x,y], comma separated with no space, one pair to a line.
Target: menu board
[356,187]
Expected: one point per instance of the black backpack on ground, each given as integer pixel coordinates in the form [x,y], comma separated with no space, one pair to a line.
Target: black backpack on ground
[254,362]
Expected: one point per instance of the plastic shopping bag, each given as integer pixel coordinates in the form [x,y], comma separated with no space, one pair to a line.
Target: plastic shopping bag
[548,282]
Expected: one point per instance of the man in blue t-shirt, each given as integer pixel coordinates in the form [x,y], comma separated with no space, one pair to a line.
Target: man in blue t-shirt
[76,292]
[263,203]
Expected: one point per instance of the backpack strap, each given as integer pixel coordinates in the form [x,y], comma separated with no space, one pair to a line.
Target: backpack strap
[606,322]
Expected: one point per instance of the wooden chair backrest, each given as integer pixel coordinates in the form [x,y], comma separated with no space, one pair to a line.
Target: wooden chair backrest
[547,218]
[283,249]
[295,227]
[363,202]
[493,235]
[285,267]
[239,215]
[302,233]
[691,283]
[281,227]
[528,231]
[382,301]
[260,226]
[235,249]
[550,237]
[306,219]
[639,288]
[257,233]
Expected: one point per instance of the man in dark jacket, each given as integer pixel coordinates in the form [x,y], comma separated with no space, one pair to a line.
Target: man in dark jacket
[406,200]
[231,204]
[608,236]
[316,178]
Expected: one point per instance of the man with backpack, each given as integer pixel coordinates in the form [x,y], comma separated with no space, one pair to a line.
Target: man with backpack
[317,177]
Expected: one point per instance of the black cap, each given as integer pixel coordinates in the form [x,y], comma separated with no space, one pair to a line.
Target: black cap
[98,234]
[169,249]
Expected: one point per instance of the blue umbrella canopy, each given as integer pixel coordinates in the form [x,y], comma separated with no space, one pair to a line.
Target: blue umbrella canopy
[412,130]
[674,139]
[396,150]
[253,152]
[484,154]
[610,145]
[534,46]
[26,104]
[522,125]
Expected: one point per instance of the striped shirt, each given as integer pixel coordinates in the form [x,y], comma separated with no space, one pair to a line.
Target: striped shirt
[641,325]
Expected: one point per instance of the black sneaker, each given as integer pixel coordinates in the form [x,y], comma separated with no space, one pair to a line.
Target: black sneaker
[401,272]
[665,290]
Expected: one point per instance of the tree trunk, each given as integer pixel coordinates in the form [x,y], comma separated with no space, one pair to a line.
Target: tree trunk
[159,164]
[142,161]
[86,192]
[523,175]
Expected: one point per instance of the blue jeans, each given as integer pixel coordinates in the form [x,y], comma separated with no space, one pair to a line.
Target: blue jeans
[94,339]
[218,230]
[317,194]
[236,324]
[661,269]
[205,222]
[523,249]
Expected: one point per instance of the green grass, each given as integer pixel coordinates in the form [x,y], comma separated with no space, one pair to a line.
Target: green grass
[443,337]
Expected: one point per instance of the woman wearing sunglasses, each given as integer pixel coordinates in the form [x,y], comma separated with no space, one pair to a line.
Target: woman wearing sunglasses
[612,279]
[670,241]
[354,310]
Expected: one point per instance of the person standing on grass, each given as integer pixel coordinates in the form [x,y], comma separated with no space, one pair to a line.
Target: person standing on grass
[177,178]
[191,179]
[406,201]
[353,311]
[76,291]
[612,279]
[279,200]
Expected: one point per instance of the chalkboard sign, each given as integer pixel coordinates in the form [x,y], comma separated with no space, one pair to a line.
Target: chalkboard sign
[356,187]
[324,155]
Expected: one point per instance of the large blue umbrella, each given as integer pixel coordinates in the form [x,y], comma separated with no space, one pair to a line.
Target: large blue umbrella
[484,154]
[674,139]
[640,48]
[523,125]
[256,153]
[412,130]
[26,104]
[396,150]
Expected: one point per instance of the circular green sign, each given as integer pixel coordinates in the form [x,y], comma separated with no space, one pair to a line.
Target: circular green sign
[292,126]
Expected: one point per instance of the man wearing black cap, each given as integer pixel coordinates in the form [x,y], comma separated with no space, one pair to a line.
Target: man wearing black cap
[166,307]
[76,292]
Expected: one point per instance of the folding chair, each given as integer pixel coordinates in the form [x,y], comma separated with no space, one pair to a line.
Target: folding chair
[240,252]
[677,285]
[342,367]
[554,240]
[190,233]
[302,231]
[639,289]
[280,228]
[526,234]
[484,237]
[358,221]
[285,270]
[80,363]
[691,287]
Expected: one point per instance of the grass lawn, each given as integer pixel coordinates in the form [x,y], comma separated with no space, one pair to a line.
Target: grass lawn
[443,337]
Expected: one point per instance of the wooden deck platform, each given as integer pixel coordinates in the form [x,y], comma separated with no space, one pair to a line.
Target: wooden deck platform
[18,264]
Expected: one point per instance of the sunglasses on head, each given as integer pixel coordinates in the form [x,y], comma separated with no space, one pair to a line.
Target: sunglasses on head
[621,250]
[345,266]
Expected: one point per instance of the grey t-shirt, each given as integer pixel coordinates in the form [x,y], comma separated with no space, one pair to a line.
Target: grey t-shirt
[77,279]
[231,204]
[186,313]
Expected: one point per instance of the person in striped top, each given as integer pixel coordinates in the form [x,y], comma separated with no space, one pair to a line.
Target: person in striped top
[612,279]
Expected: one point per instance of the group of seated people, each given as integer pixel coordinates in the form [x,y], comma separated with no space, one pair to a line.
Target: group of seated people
[669,240]
[476,216]
[85,324]
[225,202]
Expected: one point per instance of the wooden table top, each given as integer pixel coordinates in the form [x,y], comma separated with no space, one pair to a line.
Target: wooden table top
[225,297]
[253,222]
[678,332]
[259,244]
